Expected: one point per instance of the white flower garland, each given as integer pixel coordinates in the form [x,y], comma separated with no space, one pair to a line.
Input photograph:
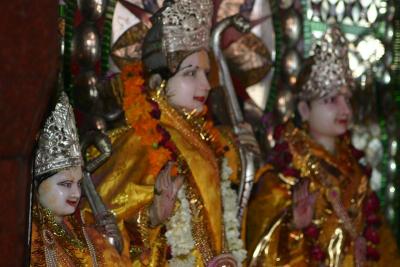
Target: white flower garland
[179,228]
[186,261]
[179,233]
[231,223]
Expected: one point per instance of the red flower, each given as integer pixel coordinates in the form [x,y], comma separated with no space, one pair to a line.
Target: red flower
[367,170]
[311,231]
[171,147]
[291,172]
[358,154]
[169,253]
[281,147]
[317,254]
[371,204]
[373,219]
[278,132]
[373,254]
[281,156]
[372,235]
[282,160]
[155,112]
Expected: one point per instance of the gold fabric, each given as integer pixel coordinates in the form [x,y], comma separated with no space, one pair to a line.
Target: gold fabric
[127,189]
[271,238]
[70,245]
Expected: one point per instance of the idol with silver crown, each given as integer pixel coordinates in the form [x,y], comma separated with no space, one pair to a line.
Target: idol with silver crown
[170,175]
[60,237]
[313,205]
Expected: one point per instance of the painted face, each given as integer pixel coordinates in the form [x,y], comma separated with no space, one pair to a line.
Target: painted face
[61,192]
[188,88]
[329,116]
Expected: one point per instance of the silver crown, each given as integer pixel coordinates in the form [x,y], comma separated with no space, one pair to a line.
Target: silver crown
[330,71]
[186,25]
[58,145]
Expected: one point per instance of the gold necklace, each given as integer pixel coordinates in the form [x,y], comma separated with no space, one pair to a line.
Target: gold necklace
[199,124]
[47,220]
[53,229]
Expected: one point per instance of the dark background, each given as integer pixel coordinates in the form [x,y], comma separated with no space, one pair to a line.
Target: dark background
[28,73]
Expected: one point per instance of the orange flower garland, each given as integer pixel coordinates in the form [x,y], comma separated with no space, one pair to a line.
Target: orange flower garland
[138,112]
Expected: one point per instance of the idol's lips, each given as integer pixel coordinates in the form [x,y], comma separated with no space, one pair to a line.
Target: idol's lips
[72,203]
[342,121]
[201,99]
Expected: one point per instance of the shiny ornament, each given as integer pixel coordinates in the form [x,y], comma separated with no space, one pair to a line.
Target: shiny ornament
[392,167]
[393,144]
[285,104]
[92,9]
[112,111]
[390,212]
[98,123]
[389,32]
[86,45]
[292,26]
[340,11]
[386,77]
[86,92]
[390,192]
[291,62]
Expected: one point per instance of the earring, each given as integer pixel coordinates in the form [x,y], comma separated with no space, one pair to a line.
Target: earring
[160,90]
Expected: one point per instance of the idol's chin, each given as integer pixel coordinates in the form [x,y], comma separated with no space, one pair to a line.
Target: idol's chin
[340,133]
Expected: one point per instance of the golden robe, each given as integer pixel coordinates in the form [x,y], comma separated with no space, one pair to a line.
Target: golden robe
[74,245]
[272,239]
[127,189]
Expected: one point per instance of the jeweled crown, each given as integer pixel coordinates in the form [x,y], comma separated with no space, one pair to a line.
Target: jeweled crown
[330,71]
[186,25]
[58,145]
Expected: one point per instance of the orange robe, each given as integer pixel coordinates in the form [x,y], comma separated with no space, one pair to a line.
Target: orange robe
[127,188]
[74,245]
[272,239]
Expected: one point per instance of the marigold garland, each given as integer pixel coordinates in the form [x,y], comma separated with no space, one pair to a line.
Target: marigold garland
[143,114]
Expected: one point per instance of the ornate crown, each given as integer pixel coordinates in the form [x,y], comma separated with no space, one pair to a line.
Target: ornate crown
[58,145]
[186,25]
[330,71]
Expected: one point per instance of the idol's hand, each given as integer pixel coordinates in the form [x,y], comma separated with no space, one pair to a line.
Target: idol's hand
[303,205]
[246,138]
[107,226]
[165,193]
[223,260]
[360,251]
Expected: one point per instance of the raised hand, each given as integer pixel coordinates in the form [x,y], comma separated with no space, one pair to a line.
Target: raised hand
[360,251]
[223,260]
[165,192]
[303,205]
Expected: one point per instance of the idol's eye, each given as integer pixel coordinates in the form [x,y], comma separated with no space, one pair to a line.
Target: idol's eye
[190,73]
[67,184]
[80,183]
[330,100]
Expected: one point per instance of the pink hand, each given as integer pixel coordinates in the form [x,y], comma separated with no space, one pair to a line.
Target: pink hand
[223,260]
[360,251]
[303,205]
[166,189]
